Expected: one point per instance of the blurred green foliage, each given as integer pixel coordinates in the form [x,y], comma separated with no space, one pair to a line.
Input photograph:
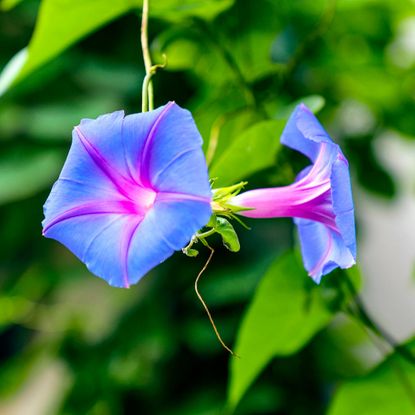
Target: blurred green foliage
[255,149]
[239,66]
[380,392]
[281,304]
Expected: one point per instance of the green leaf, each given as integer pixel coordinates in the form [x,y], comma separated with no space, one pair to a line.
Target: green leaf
[229,237]
[281,319]
[177,9]
[254,150]
[210,46]
[359,4]
[234,282]
[61,23]
[64,116]
[9,4]
[24,174]
[12,70]
[257,29]
[384,391]
[314,102]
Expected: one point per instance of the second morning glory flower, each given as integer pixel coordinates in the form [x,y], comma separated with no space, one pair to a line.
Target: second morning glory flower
[133,190]
[320,200]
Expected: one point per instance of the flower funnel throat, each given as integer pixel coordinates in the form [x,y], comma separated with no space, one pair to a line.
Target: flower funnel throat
[133,190]
[320,200]
[309,198]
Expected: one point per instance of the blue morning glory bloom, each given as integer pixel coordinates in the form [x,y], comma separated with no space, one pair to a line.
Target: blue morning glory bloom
[320,200]
[133,190]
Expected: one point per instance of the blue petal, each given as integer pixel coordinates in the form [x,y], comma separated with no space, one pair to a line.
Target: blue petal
[322,249]
[165,229]
[105,134]
[341,194]
[120,139]
[136,132]
[122,248]
[304,133]
[81,181]
[97,240]
[173,156]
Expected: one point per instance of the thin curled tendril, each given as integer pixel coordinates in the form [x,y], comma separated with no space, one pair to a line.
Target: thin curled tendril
[212,251]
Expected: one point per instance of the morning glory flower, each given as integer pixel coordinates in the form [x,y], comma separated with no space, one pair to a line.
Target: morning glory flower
[133,190]
[320,200]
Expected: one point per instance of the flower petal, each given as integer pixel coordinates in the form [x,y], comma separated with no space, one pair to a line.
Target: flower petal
[81,181]
[137,132]
[98,241]
[122,141]
[90,209]
[168,227]
[322,248]
[304,133]
[172,157]
[104,136]
[343,208]
[122,248]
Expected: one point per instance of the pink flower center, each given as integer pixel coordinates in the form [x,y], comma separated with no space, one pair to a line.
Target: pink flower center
[143,199]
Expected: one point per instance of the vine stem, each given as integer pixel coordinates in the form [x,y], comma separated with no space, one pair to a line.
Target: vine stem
[395,366]
[375,333]
[323,25]
[361,313]
[199,296]
[148,93]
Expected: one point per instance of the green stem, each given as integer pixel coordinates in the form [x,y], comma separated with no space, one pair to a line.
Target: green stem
[199,237]
[148,94]
[375,333]
[144,94]
[204,235]
[322,26]
[374,336]
[361,313]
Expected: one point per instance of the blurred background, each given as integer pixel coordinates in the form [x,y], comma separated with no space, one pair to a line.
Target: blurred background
[69,343]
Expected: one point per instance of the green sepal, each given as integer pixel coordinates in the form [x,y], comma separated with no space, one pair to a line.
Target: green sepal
[229,237]
[190,252]
[212,222]
[225,193]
